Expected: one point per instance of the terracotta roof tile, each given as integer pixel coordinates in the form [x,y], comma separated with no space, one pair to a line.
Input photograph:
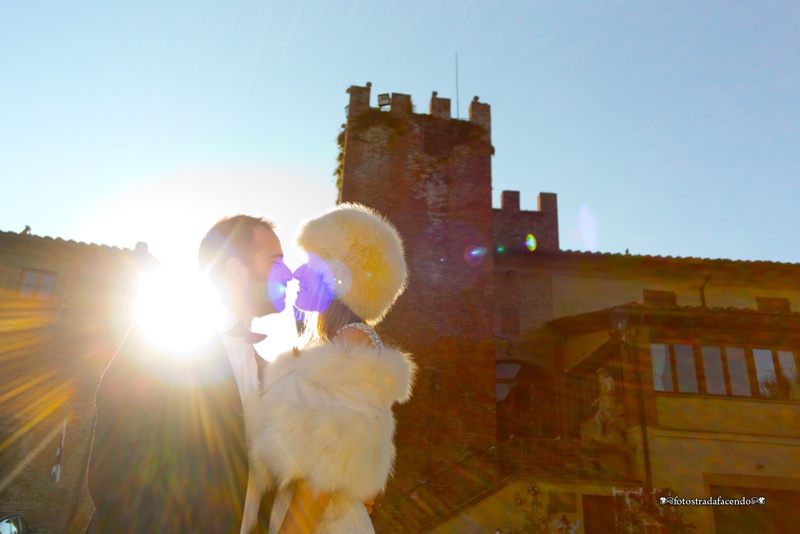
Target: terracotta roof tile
[579,253]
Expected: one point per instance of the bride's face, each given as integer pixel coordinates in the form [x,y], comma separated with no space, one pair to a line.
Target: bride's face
[316,283]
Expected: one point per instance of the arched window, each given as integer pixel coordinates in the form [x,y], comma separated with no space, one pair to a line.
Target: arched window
[525,401]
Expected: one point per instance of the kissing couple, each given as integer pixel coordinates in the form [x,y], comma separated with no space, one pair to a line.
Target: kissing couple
[203,444]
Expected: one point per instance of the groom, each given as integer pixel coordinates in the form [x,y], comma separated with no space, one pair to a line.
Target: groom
[169,451]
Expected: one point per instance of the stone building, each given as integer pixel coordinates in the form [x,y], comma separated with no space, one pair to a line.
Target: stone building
[601,378]
[64,308]
[521,344]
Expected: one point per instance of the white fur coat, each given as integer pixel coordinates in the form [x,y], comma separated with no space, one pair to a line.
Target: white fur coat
[325,415]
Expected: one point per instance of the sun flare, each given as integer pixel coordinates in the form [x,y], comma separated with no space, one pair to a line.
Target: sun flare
[177,310]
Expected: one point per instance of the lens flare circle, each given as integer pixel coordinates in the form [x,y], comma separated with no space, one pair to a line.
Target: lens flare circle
[474,255]
[279,277]
[316,285]
[530,242]
[587,228]
[445,254]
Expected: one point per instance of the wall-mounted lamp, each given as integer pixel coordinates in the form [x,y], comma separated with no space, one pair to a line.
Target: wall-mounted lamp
[619,321]
[627,329]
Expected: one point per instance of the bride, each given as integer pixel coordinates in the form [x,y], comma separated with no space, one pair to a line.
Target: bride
[321,433]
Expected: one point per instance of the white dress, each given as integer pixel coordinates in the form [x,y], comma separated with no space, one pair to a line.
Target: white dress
[325,416]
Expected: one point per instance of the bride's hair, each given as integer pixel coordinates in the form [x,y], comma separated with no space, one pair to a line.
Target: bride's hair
[320,327]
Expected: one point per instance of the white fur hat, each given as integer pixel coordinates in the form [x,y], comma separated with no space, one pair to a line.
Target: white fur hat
[365,253]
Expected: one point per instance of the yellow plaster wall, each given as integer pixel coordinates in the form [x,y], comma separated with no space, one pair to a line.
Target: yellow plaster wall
[499,509]
[728,415]
[573,295]
[687,461]
[579,346]
[737,296]
[701,437]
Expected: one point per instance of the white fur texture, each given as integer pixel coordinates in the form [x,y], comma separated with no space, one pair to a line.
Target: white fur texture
[365,253]
[326,416]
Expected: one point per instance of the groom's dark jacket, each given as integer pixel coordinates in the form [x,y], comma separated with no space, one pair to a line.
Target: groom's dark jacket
[169,451]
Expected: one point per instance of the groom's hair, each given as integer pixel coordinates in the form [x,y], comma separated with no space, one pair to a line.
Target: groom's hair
[230,237]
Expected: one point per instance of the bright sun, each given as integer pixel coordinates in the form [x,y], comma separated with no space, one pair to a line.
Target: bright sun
[178,310]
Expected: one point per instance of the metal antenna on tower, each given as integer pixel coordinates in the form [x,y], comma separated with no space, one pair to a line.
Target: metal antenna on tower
[458,111]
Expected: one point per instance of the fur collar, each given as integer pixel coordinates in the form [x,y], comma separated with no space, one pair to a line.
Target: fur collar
[383,376]
[325,415]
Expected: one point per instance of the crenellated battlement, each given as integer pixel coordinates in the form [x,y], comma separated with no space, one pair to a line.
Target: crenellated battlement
[440,107]
[401,104]
[512,226]
[434,138]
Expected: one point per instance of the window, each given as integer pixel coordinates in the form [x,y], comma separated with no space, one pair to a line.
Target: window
[525,401]
[506,373]
[712,371]
[737,371]
[777,374]
[788,365]
[36,284]
[687,371]
[673,360]
[662,368]
[725,370]
[765,372]
[514,400]
[11,525]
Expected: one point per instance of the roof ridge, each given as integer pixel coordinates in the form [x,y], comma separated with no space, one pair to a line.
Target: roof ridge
[69,242]
[672,258]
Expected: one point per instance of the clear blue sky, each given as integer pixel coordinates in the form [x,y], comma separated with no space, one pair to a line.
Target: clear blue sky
[667,128]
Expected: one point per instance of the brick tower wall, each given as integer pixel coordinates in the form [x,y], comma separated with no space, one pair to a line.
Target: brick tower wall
[430,175]
[513,225]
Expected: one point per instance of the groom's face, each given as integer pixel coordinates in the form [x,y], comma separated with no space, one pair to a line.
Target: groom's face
[267,275]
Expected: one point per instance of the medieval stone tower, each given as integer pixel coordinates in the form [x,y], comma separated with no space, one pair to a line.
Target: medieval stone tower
[431,176]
